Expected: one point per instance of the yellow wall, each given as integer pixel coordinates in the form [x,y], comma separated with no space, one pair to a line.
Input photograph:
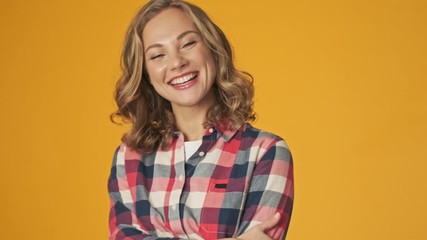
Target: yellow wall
[345,82]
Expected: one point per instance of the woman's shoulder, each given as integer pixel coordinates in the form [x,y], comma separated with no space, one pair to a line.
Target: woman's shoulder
[265,145]
[261,135]
[125,153]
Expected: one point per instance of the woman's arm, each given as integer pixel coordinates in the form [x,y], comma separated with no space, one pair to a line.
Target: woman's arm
[259,231]
[123,224]
[271,191]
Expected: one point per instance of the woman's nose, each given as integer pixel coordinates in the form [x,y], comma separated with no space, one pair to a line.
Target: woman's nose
[177,61]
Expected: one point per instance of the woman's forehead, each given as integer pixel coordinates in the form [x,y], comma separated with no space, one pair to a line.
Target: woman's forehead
[168,23]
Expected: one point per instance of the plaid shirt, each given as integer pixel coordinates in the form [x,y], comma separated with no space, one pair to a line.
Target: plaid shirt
[235,180]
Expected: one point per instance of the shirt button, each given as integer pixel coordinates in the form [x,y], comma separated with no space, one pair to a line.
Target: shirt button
[173,207]
[211,130]
[181,178]
[201,154]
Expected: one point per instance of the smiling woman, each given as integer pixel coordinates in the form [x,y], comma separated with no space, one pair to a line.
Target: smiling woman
[179,63]
[191,166]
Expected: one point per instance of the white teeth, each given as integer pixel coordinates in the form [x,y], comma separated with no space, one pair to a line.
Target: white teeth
[182,80]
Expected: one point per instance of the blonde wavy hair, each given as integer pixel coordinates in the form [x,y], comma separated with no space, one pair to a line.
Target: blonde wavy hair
[150,115]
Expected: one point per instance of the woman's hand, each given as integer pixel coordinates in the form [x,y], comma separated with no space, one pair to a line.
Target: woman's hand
[258,232]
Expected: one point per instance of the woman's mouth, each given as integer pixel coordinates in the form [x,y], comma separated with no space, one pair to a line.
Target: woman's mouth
[182,80]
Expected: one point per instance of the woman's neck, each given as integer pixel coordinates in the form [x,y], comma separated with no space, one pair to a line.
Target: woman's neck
[189,120]
[190,124]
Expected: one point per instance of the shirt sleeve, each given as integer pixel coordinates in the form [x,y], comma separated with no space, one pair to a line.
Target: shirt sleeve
[123,222]
[271,190]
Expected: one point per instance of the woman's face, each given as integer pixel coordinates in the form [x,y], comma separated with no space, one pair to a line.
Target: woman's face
[178,62]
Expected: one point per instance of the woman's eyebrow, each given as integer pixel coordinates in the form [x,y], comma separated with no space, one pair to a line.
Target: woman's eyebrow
[152,46]
[180,36]
[186,33]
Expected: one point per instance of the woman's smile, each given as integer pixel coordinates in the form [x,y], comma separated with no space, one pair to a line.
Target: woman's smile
[183,79]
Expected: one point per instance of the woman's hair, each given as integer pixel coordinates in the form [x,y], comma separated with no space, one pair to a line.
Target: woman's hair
[150,115]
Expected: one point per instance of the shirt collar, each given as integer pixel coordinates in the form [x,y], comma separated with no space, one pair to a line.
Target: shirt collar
[225,131]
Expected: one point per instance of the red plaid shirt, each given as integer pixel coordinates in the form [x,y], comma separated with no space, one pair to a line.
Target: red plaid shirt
[235,180]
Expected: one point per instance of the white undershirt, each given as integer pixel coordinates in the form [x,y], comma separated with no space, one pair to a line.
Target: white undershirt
[191,147]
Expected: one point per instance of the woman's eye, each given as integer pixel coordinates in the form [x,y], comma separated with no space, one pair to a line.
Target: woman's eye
[189,44]
[156,56]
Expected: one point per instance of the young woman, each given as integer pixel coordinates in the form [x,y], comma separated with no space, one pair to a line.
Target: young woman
[191,166]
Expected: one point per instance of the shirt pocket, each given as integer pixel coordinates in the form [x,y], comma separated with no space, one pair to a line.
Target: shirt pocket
[221,210]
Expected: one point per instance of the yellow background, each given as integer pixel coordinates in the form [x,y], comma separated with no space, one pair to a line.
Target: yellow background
[344,82]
